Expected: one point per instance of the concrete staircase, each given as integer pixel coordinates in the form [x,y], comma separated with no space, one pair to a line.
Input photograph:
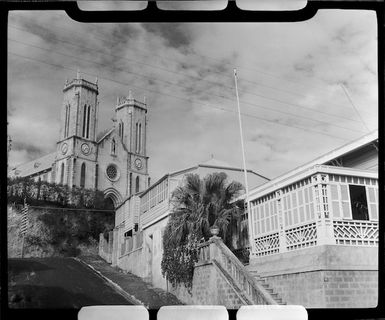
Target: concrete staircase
[267,287]
[248,285]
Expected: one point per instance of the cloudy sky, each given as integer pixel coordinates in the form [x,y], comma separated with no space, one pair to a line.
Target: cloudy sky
[305,88]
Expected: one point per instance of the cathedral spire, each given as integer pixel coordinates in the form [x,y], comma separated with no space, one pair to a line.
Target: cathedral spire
[78,74]
[129,94]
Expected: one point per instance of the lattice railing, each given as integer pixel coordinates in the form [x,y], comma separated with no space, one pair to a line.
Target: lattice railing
[361,233]
[301,237]
[267,245]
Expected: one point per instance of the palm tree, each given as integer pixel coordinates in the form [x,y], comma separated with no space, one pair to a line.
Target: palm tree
[201,204]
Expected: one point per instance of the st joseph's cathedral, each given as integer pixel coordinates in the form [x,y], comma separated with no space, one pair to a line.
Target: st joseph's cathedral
[115,162]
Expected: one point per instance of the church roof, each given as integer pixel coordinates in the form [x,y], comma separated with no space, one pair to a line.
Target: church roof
[105,135]
[33,167]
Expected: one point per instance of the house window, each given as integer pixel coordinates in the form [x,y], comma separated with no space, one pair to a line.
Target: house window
[358,202]
[83,175]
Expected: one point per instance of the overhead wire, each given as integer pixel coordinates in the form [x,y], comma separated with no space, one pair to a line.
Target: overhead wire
[181,98]
[200,79]
[188,88]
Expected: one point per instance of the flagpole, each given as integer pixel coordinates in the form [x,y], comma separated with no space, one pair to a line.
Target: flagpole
[244,159]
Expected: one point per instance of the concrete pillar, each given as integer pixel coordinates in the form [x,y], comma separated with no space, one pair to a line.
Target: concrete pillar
[321,196]
[281,222]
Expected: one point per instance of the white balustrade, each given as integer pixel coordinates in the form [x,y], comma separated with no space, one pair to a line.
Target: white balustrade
[356,233]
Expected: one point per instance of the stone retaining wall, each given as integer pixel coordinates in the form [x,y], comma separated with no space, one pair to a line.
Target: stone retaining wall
[210,287]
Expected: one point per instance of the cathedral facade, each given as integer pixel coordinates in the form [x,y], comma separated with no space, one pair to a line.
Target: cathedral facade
[114,162]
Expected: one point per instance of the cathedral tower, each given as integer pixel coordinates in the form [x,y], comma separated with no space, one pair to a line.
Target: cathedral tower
[131,125]
[76,148]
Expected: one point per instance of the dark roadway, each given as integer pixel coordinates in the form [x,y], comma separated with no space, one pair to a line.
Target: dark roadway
[57,283]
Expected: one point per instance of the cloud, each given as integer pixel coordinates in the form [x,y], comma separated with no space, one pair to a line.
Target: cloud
[186,73]
[174,35]
[32,151]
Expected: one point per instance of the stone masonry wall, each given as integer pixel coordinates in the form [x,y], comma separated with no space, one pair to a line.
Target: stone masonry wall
[304,288]
[351,289]
[328,288]
[210,287]
[133,262]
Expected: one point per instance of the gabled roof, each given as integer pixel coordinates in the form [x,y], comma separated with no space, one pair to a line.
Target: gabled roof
[211,163]
[322,160]
[33,167]
[105,135]
[215,163]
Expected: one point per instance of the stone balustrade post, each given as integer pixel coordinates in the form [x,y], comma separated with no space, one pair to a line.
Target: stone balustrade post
[214,254]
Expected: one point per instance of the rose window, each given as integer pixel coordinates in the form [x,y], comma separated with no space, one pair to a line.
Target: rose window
[112,172]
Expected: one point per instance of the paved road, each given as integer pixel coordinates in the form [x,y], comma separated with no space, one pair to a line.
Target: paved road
[57,283]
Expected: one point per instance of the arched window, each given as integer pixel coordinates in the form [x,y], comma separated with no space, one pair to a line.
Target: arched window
[67,121]
[130,183]
[113,146]
[83,175]
[140,138]
[122,130]
[74,170]
[88,121]
[84,120]
[137,184]
[96,175]
[149,182]
[136,137]
[62,174]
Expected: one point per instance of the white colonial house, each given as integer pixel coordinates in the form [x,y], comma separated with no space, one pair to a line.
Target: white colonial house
[313,231]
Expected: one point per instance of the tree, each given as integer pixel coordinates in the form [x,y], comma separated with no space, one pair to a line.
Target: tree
[197,206]
[201,204]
